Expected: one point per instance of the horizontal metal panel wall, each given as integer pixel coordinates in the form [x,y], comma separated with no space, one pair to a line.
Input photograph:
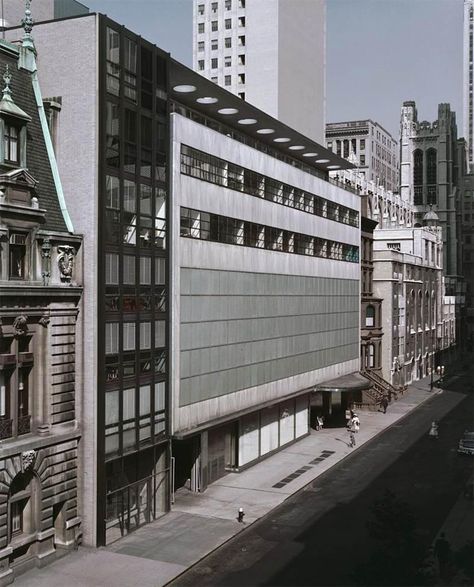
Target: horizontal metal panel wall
[240,329]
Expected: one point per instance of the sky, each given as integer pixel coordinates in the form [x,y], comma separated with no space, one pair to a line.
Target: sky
[379,52]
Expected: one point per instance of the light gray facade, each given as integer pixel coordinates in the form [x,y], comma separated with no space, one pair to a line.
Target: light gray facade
[256,326]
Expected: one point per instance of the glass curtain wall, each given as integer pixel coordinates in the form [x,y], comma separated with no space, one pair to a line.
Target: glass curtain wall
[133,188]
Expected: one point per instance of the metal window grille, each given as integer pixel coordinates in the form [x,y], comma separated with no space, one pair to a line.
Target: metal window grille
[218,171]
[216,228]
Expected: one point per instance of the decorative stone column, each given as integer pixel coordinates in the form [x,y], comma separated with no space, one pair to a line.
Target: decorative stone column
[42,335]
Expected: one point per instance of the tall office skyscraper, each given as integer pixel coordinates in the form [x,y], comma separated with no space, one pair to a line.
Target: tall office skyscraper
[272,54]
[468,110]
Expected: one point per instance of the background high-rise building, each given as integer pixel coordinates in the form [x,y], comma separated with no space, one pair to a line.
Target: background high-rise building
[468,107]
[270,53]
[370,147]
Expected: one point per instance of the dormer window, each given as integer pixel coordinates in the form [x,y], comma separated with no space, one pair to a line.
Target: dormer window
[11,144]
[13,121]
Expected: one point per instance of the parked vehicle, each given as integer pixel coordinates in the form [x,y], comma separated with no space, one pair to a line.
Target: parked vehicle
[466,444]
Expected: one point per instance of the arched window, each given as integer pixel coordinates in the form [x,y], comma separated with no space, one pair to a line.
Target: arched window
[418,176]
[431,175]
[370,316]
[418,167]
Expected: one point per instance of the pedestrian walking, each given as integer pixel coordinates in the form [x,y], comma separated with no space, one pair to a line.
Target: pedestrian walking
[351,427]
[434,430]
[355,422]
[442,551]
[384,404]
[348,416]
[319,422]
[352,438]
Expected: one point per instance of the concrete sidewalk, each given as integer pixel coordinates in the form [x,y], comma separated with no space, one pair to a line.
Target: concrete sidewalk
[199,523]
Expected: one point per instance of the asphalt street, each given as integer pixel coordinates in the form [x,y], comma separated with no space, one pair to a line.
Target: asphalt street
[319,536]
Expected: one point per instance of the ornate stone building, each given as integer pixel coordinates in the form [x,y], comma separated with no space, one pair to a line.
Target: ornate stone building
[430,175]
[418,331]
[408,277]
[40,295]
[371,331]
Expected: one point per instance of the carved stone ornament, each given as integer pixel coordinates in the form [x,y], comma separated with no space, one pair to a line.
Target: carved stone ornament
[44,320]
[28,459]
[66,262]
[20,325]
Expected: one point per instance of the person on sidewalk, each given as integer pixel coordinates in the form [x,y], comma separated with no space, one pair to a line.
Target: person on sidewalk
[352,438]
[348,416]
[434,430]
[319,422]
[351,428]
[384,404]
[355,422]
[442,550]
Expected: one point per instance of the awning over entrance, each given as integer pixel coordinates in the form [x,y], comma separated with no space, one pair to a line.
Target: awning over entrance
[345,383]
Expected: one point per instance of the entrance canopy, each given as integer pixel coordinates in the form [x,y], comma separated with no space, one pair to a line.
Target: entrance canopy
[345,383]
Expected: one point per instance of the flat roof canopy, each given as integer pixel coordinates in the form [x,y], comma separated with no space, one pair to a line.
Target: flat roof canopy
[197,92]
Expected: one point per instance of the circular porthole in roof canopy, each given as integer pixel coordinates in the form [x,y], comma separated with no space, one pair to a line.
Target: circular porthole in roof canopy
[322,160]
[207,100]
[334,166]
[281,140]
[296,148]
[227,111]
[265,131]
[310,154]
[184,89]
[247,121]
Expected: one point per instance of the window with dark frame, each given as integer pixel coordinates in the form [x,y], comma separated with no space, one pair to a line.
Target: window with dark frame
[134,276]
[17,255]
[16,517]
[239,232]
[370,316]
[218,171]
[15,417]
[11,143]
[113,61]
